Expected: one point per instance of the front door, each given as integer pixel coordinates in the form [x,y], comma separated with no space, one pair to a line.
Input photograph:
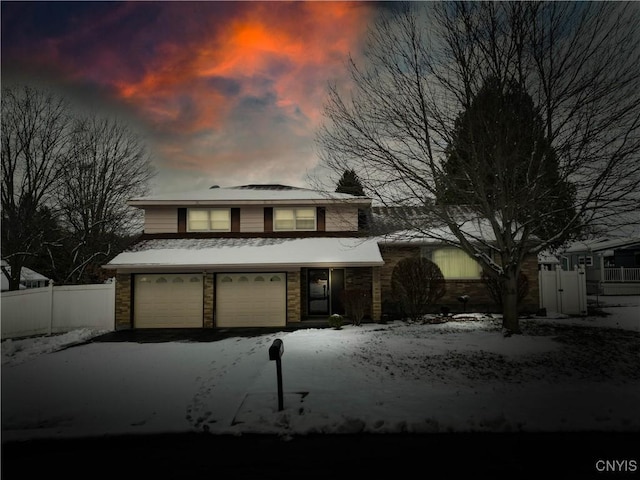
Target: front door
[325,291]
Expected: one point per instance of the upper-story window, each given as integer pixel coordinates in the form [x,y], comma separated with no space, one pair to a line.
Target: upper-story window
[209,220]
[294,219]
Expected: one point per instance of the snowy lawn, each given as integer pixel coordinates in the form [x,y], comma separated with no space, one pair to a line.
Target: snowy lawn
[561,374]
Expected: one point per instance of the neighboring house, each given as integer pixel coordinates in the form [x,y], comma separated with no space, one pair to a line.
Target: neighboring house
[263,255]
[612,265]
[28,278]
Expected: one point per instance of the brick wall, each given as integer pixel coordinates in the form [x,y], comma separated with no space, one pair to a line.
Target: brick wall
[376,303]
[304,292]
[293,296]
[209,296]
[123,301]
[392,255]
[479,297]
[360,278]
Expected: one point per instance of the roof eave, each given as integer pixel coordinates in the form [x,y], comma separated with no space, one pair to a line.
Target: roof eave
[133,268]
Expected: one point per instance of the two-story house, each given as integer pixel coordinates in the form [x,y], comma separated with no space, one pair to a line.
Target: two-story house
[247,256]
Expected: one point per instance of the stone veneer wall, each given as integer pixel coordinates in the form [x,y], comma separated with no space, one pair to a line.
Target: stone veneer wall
[209,296]
[123,301]
[479,297]
[293,297]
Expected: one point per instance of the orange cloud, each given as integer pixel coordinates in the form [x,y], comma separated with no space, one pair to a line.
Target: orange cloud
[289,50]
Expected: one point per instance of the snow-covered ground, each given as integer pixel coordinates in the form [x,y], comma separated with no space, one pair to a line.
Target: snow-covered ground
[561,374]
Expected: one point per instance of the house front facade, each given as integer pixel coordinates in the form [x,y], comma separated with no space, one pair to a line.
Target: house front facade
[247,256]
[272,256]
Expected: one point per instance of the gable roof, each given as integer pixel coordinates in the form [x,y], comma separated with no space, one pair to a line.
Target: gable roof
[249,194]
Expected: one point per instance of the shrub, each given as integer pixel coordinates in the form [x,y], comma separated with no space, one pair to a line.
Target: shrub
[357,302]
[416,283]
[336,321]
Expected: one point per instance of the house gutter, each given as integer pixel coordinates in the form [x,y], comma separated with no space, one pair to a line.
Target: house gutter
[143,268]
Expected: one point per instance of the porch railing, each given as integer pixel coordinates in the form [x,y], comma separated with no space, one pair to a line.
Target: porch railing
[622,274]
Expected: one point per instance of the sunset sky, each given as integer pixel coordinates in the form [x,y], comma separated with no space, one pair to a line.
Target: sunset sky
[224,93]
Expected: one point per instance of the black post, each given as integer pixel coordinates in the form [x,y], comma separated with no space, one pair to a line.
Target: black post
[275,353]
[279,372]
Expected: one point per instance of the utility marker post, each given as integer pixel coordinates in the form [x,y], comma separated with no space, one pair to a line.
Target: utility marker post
[275,353]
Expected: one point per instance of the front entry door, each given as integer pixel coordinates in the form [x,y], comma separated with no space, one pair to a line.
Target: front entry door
[325,288]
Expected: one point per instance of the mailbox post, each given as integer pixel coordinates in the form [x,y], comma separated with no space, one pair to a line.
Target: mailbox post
[275,353]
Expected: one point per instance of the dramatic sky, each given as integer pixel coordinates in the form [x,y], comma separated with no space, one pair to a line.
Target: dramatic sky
[223,93]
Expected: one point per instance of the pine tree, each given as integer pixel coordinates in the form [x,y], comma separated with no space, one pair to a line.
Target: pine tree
[499,160]
[350,183]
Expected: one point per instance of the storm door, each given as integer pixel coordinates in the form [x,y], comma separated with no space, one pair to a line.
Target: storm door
[325,291]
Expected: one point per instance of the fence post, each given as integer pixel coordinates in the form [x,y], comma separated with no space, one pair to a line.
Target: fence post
[50,330]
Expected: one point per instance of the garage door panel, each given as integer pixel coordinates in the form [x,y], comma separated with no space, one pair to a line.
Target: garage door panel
[168,301]
[251,300]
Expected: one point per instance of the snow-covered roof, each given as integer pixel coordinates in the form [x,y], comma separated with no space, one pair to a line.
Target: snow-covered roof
[249,253]
[477,230]
[249,194]
[601,244]
[26,275]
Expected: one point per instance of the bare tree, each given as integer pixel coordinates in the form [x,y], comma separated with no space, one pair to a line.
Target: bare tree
[34,142]
[426,62]
[66,179]
[107,165]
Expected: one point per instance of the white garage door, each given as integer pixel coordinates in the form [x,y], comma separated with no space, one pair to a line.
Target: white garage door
[168,301]
[251,300]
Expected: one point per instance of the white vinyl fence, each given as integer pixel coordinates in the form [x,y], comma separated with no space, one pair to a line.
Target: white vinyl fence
[563,291]
[58,309]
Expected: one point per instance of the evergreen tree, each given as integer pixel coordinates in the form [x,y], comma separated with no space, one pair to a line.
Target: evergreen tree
[499,160]
[350,183]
